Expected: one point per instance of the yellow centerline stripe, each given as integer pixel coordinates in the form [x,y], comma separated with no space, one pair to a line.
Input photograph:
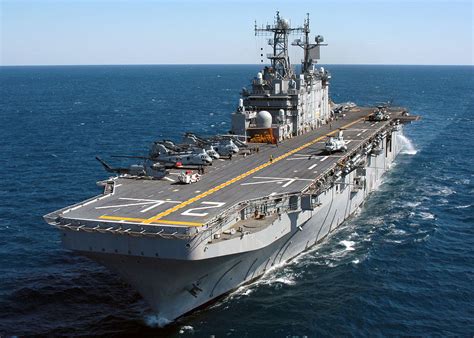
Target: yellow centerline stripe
[244,175]
[141,220]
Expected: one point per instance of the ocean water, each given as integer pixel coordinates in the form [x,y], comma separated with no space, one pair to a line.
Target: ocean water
[403,266]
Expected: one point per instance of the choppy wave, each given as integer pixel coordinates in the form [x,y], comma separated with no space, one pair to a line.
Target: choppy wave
[463,206]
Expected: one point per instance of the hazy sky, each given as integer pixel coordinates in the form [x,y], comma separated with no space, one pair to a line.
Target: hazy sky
[160,32]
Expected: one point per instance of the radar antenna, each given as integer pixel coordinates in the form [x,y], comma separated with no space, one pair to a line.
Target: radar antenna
[311,50]
[280,30]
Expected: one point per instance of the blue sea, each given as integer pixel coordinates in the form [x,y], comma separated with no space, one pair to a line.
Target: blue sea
[403,266]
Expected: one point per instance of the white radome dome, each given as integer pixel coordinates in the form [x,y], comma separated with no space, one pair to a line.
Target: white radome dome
[264,119]
[284,24]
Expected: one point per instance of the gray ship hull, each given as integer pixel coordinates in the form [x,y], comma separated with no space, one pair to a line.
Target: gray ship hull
[174,287]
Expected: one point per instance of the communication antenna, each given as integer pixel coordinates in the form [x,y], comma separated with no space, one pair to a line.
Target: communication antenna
[280,31]
[311,50]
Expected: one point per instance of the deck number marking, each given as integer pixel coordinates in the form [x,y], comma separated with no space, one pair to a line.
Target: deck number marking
[211,205]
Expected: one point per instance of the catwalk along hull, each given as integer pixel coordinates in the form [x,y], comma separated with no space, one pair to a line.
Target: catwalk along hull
[175,286]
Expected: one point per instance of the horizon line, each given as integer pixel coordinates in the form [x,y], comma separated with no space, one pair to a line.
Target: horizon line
[230,64]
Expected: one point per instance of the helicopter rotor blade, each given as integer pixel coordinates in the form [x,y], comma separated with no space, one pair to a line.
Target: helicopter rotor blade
[127,156]
[145,158]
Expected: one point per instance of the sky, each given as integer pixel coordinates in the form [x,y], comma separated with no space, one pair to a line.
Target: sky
[80,32]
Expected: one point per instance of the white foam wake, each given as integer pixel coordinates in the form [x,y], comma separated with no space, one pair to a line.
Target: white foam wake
[348,244]
[407,146]
[156,321]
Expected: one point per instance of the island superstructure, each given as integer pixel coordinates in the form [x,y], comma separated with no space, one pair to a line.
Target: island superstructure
[281,103]
[293,167]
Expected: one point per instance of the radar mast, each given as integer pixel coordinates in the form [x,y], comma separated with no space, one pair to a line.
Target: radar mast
[311,50]
[280,30]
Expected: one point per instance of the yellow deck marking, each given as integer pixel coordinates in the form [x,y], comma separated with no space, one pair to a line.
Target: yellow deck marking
[189,224]
[155,218]
[119,218]
[161,221]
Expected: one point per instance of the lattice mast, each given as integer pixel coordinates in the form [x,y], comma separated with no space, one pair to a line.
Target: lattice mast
[280,30]
[311,50]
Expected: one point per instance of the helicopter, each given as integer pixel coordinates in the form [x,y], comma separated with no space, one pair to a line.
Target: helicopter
[147,170]
[191,145]
[380,113]
[335,143]
[220,145]
[196,156]
[225,147]
[192,140]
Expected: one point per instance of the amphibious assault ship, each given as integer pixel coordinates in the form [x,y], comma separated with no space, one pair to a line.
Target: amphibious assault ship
[298,166]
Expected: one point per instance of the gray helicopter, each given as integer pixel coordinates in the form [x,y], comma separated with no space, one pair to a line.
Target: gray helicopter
[190,145]
[192,140]
[380,113]
[196,156]
[223,145]
[147,170]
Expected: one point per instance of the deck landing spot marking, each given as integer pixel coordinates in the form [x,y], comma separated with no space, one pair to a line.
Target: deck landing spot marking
[324,158]
[313,166]
[137,202]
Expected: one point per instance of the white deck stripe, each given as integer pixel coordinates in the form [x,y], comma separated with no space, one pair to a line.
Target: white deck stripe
[298,158]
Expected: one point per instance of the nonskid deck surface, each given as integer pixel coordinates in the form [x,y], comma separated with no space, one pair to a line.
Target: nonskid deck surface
[296,162]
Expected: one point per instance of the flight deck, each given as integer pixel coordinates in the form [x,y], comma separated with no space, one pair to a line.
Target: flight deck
[287,167]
